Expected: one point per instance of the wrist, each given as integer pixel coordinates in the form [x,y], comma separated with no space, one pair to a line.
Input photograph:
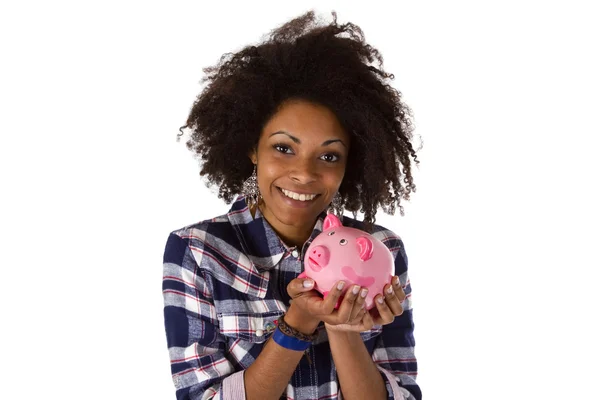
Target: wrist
[335,330]
[301,321]
[345,339]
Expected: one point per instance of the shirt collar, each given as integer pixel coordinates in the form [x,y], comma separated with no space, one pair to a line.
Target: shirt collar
[258,239]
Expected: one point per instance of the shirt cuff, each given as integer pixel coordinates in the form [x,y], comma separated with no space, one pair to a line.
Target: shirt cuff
[233,387]
[395,391]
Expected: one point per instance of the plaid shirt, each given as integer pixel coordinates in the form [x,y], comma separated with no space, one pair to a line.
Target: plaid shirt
[224,285]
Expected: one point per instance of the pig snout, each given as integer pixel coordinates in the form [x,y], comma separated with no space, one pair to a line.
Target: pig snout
[318,258]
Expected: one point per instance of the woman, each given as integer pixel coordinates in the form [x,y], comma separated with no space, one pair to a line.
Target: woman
[299,124]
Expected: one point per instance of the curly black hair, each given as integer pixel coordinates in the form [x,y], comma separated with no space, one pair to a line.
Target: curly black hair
[327,64]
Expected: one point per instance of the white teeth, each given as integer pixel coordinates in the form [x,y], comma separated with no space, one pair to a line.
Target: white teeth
[298,196]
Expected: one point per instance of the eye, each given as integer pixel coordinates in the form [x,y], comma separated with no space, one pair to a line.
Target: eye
[343,242]
[330,157]
[282,148]
[331,233]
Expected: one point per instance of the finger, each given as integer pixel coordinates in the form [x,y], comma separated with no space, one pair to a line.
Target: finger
[398,289]
[385,314]
[359,305]
[392,301]
[359,317]
[298,286]
[367,321]
[347,310]
[327,306]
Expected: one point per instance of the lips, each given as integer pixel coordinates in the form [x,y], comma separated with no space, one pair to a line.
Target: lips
[296,204]
[314,265]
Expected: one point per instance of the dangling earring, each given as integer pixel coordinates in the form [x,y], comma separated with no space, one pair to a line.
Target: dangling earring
[250,189]
[337,206]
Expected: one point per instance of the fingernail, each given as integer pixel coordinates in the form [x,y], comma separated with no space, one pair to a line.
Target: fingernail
[390,290]
[363,293]
[307,283]
[380,300]
[340,285]
[397,281]
[355,289]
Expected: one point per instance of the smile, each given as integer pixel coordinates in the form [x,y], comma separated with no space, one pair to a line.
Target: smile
[298,196]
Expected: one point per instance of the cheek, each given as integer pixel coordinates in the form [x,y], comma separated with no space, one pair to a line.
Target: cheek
[267,173]
[335,176]
[264,180]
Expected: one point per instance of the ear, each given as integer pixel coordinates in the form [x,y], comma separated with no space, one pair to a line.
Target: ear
[331,221]
[252,155]
[365,248]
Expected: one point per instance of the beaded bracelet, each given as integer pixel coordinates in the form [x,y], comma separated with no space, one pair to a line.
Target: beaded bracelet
[289,331]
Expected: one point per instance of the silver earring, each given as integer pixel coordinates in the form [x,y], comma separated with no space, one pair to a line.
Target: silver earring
[337,206]
[250,189]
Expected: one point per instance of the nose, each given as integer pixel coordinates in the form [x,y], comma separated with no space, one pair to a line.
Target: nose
[321,255]
[303,172]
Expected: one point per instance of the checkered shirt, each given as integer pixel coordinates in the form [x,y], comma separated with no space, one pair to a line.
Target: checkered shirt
[224,285]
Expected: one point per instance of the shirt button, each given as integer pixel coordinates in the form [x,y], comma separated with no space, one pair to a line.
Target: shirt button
[259,332]
[295,253]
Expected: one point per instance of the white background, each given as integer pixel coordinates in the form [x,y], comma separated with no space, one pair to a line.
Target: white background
[502,234]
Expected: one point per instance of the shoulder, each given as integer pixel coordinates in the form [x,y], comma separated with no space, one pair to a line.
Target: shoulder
[215,249]
[209,232]
[215,237]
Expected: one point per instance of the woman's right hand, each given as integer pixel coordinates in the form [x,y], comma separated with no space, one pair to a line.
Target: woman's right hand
[308,307]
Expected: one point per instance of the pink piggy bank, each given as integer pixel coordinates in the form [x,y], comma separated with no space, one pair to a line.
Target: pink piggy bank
[343,253]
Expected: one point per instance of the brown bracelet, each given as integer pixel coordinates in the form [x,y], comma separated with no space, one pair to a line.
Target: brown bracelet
[289,331]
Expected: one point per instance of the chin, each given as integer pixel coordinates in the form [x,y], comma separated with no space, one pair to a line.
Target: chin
[296,217]
[293,216]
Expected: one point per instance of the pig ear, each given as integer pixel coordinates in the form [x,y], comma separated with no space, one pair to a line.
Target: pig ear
[331,221]
[365,248]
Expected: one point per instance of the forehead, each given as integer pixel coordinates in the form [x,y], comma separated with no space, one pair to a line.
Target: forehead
[307,121]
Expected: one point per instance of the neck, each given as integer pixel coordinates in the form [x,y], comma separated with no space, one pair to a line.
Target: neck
[291,235]
[293,238]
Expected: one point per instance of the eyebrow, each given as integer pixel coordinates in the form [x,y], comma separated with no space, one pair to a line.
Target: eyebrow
[298,141]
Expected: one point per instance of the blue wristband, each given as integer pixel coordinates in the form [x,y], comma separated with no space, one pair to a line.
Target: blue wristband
[289,342]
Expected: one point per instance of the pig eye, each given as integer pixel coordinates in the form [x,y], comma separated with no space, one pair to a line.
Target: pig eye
[343,242]
[331,233]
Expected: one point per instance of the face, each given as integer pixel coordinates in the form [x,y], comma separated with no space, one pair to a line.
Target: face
[301,158]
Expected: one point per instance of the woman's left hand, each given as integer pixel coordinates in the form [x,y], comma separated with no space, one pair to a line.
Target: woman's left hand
[388,306]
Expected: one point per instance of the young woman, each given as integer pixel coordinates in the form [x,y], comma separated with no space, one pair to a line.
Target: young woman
[302,123]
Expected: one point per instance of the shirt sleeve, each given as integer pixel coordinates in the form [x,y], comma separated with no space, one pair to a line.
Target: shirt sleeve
[394,348]
[199,367]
